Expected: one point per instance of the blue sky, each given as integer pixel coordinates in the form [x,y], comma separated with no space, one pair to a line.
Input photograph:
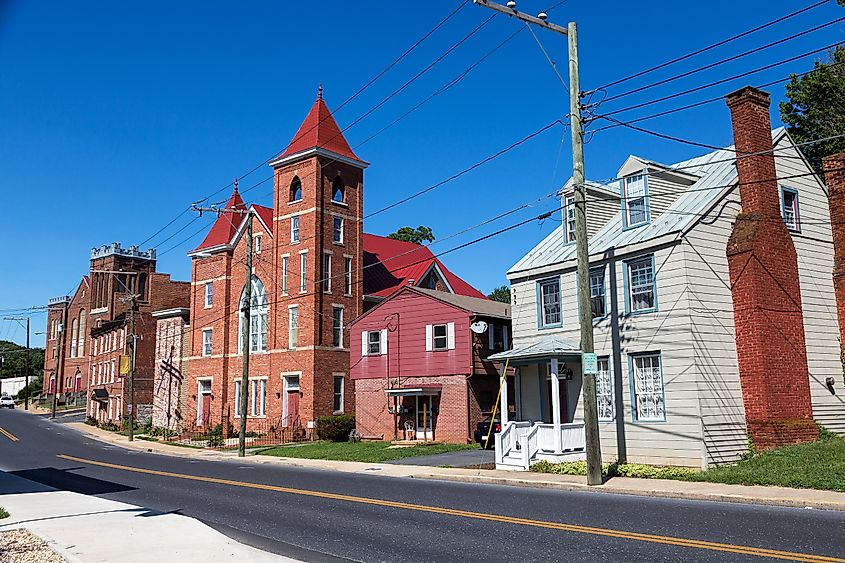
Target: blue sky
[117,115]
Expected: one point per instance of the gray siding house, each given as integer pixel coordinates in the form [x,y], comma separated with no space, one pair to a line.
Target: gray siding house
[668,384]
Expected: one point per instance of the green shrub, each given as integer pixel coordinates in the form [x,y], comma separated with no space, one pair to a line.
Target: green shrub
[335,428]
[91,421]
[215,437]
[110,426]
[161,431]
[147,426]
[638,470]
[825,434]
[3,513]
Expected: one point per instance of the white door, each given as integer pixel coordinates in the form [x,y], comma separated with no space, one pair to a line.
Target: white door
[424,424]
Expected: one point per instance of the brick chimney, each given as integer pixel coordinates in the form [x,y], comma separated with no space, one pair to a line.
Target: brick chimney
[768,318]
[834,175]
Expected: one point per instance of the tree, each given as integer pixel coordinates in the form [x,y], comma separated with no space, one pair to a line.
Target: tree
[14,360]
[815,108]
[417,236]
[501,293]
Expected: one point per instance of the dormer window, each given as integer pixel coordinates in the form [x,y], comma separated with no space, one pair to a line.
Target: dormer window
[338,190]
[296,190]
[789,209]
[635,201]
[569,226]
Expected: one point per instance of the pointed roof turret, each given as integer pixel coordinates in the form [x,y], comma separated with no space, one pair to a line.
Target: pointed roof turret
[226,225]
[319,130]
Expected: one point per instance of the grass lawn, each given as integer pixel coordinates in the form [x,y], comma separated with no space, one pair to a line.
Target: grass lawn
[818,465]
[370,452]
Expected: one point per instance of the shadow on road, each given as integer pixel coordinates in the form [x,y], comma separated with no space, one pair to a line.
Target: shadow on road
[64,480]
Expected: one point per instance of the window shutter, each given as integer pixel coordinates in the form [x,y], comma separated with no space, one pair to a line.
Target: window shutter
[383,341]
[428,338]
[450,336]
[364,342]
[489,336]
[505,336]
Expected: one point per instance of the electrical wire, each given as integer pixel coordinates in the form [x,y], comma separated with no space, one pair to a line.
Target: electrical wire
[712,46]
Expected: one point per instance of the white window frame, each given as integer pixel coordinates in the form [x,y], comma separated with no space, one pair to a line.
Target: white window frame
[594,287]
[294,229]
[430,337]
[327,272]
[293,326]
[630,287]
[648,393]
[285,266]
[303,271]
[347,275]
[380,342]
[256,244]
[604,390]
[337,329]
[627,182]
[338,396]
[795,224]
[569,214]
[543,305]
[338,224]
[209,295]
[207,342]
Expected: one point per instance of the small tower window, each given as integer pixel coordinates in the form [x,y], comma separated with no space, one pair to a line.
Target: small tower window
[296,189]
[338,190]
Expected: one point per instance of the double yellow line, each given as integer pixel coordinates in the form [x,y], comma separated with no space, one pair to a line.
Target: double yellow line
[620,534]
[8,434]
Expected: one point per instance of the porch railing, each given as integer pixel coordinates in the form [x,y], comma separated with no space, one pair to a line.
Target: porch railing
[509,438]
[542,438]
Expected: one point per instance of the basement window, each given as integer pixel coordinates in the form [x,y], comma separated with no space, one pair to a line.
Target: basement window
[789,209]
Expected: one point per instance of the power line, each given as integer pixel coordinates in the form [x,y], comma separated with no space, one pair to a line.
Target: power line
[723,61]
[723,80]
[710,47]
[707,101]
[343,104]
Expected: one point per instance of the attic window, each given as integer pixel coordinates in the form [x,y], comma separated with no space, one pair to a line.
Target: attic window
[789,209]
[635,201]
[338,190]
[296,189]
[570,218]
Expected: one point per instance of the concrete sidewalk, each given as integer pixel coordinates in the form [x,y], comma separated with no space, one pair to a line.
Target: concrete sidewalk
[84,528]
[777,496]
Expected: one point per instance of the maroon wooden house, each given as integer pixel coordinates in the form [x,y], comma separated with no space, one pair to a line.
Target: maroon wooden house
[420,371]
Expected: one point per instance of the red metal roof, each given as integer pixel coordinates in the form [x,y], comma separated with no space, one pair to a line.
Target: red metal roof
[319,130]
[226,224]
[390,264]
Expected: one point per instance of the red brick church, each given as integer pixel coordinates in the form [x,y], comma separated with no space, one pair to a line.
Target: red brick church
[314,271]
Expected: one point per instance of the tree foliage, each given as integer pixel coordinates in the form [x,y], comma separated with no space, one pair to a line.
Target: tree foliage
[501,293]
[417,236]
[14,360]
[815,108]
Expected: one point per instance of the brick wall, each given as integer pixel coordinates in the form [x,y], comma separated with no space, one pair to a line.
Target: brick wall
[765,289]
[170,385]
[834,175]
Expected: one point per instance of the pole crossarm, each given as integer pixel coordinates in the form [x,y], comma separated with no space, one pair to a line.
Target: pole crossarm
[522,16]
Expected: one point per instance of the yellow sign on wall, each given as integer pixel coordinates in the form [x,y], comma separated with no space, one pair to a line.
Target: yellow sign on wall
[124,365]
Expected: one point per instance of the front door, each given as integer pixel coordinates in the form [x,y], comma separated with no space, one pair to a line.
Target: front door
[205,409]
[424,423]
[293,408]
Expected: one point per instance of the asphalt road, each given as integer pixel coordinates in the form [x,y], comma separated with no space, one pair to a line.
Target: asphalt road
[323,516]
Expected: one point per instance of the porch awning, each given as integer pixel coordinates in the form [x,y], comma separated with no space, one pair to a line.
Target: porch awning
[99,395]
[544,348]
[420,390]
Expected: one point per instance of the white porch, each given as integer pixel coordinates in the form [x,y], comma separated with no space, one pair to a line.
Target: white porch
[546,386]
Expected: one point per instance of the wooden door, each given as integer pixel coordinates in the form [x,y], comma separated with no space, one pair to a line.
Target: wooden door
[293,408]
[205,409]
[424,423]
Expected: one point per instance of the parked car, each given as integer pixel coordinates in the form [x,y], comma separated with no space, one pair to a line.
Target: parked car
[482,429]
[7,401]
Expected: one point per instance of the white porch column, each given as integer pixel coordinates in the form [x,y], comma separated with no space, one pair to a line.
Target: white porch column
[556,406]
[504,398]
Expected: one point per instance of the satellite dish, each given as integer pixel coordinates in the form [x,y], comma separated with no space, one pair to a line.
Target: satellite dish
[478,327]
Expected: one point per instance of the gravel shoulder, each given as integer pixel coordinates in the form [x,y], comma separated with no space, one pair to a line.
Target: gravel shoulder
[22,546]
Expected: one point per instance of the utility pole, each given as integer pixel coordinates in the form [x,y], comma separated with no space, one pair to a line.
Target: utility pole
[26,358]
[246,311]
[591,424]
[130,380]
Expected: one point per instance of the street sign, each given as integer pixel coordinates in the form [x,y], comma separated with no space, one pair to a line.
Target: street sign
[589,364]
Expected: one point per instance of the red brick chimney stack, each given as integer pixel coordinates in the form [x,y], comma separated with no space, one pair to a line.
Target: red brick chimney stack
[834,175]
[765,288]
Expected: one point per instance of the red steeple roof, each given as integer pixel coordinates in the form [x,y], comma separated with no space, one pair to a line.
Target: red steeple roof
[226,224]
[319,130]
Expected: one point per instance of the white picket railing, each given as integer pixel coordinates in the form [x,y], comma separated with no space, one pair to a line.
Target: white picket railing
[573,437]
[541,437]
[509,438]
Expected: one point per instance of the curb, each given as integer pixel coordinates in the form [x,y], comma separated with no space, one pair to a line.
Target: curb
[578,487]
